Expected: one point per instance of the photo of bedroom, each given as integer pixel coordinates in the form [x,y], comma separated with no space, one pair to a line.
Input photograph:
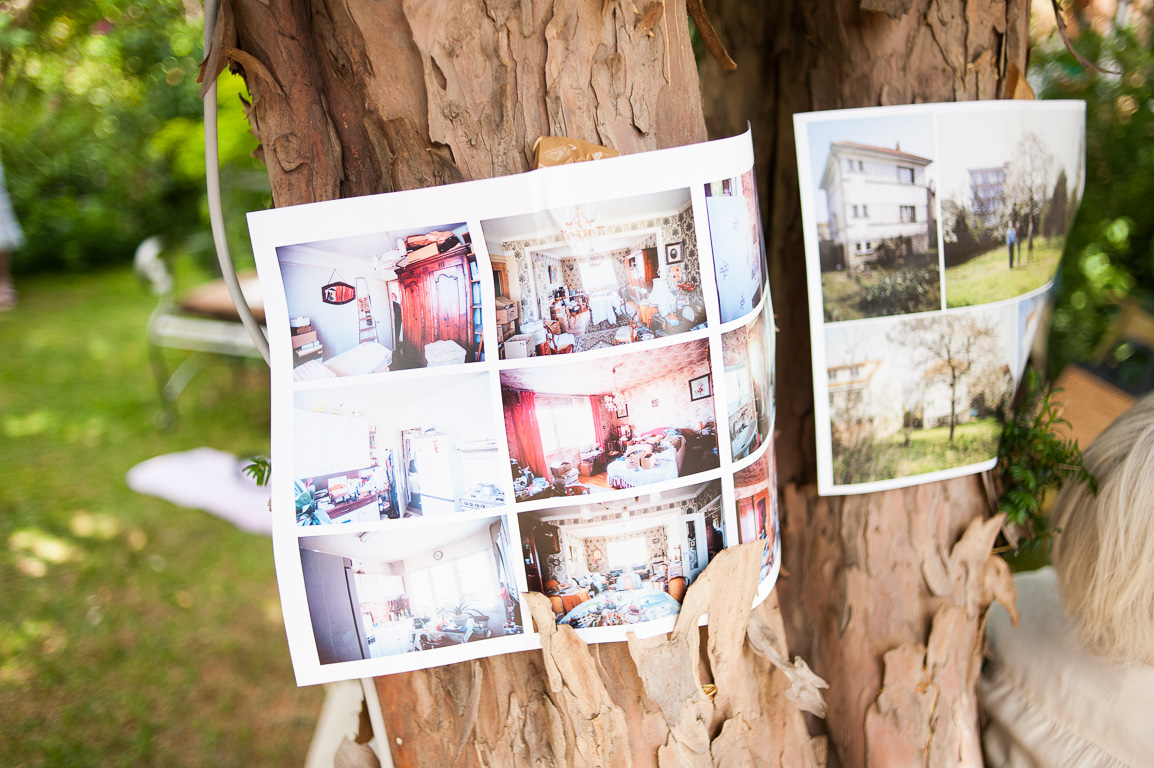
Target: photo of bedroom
[382,593]
[383,302]
[738,244]
[621,421]
[755,492]
[622,562]
[747,354]
[391,450]
[595,275]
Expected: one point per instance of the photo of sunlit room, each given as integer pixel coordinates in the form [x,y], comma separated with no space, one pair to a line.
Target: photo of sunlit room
[383,302]
[747,356]
[738,246]
[595,275]
[624,561]
[391,450]
[381,593]
[621,421]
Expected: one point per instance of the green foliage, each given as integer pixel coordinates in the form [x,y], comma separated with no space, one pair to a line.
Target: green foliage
[1110,247]
[1034,459]
[259,468]
[901,292]
[101,133]
[133,632]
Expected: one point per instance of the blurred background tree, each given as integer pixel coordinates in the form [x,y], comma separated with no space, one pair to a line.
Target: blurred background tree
[101,132]
[1110,250]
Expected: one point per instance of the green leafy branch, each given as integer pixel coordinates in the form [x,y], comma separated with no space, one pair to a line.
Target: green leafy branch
[259,468]
[1033,459]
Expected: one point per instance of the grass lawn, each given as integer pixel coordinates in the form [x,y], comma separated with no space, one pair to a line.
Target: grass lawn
[132,632]
[988,277]
[930,449]
[841,294]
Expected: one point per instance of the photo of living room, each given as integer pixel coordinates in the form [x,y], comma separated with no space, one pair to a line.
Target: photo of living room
[595,275]
[391,450]
[380,593]
[625,561]
[747,354]
[619,421]
[383,302]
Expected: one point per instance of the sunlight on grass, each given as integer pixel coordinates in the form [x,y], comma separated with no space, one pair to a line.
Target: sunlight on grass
[930,450]
[132,632]
[988,277]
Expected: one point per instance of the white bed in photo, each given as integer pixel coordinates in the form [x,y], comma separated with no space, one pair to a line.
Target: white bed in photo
[367,357]
[668,455]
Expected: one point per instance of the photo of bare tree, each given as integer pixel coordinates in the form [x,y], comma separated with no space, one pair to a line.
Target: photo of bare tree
[916,395]
[1010,186]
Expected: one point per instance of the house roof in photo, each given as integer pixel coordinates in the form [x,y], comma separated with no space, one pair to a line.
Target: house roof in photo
[890,151]
[596,376]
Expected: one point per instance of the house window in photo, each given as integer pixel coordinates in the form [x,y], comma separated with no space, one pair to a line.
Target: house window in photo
[909,214]
[855,212]
[865,211]
[596,275]
[905,175]
[566,426]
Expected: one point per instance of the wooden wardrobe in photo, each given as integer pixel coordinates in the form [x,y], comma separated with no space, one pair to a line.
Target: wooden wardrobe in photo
[436,302]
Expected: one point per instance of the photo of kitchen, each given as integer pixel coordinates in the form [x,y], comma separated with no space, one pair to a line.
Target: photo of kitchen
[379,593]
[388,301]
[620,421]
[625,561]
[595,275]
[392,450]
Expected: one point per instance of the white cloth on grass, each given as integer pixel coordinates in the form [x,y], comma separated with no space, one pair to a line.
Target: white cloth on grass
[207,479]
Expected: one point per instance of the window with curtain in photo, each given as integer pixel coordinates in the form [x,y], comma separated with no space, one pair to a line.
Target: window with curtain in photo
[566,425]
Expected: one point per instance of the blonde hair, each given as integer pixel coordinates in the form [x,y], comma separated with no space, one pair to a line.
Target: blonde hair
[1104,555]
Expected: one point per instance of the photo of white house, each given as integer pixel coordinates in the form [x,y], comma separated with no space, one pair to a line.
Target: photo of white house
[876,213]
[389,450]
[595,275]
[415,590]
[909,396]
[625,561]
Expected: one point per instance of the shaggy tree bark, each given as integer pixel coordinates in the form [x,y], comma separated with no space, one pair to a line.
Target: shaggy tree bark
[884,593]
[358,97]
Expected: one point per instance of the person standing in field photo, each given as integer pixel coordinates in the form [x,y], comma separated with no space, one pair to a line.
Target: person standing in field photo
[1011,239]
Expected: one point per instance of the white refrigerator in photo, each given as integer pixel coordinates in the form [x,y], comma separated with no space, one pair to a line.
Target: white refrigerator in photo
[431,473]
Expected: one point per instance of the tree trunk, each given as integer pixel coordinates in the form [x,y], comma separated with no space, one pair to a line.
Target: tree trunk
[885,593]
[359,97]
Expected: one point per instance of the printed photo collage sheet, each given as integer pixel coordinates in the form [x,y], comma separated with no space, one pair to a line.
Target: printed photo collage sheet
[559,381]
[932,235]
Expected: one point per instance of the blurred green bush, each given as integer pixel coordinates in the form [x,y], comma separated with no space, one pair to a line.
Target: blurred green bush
[1110,251]
[101,132]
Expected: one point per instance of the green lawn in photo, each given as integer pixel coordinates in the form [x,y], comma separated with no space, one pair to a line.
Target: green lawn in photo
[132,632]
[930,450]
[843,291]
[988,277]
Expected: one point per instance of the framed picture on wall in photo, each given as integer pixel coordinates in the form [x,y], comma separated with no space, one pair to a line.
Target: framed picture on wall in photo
[623,411]
[701,387]
[675,252]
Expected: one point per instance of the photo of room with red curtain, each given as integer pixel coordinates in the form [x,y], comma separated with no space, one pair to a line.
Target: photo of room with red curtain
[619,421]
